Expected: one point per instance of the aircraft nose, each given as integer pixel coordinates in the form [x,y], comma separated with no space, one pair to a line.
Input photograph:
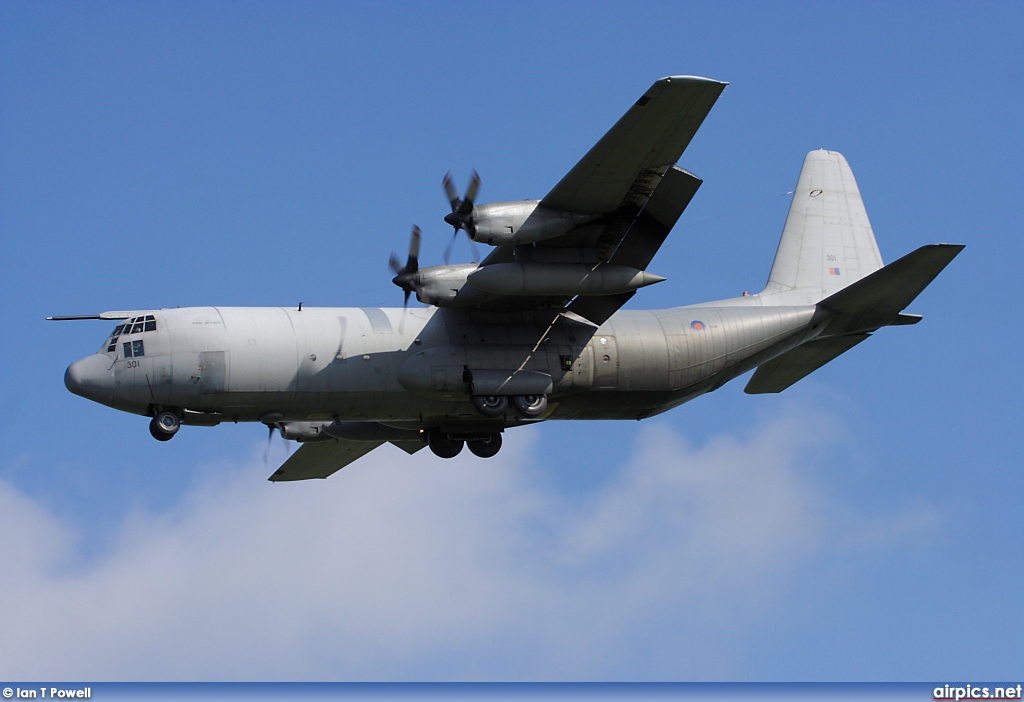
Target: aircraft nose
[92,378]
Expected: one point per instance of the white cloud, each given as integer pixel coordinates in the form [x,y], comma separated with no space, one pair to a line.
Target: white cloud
[416,568]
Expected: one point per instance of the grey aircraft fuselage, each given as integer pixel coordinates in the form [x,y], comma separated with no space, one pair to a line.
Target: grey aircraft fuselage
[409,367]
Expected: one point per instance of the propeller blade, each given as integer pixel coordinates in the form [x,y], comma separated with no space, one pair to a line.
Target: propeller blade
[266,451]
[413,264]
[451,243]
[474,185]
[405,277]
[451,192]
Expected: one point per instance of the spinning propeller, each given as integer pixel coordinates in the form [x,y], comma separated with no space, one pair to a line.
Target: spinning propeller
[461,216]
[405,277]
[272,425]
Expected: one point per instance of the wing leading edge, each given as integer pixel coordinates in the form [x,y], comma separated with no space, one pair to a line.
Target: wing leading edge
[629,182]
[322,459]
[623,167]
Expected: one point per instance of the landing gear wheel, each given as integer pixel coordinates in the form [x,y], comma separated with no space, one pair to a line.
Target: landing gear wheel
[164,425]
[530,406]
[443,445]
[490,406]
[486,446]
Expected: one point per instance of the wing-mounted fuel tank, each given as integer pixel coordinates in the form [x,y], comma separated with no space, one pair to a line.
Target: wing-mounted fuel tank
[439,285]
[522,222]
[559,279]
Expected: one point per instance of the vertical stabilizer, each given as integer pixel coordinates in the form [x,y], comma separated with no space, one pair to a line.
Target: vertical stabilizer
[827,242]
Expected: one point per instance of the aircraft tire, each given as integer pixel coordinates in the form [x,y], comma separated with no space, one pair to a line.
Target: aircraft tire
[490,406]
[486,446]
[530,406]
[164,425]
[443,445]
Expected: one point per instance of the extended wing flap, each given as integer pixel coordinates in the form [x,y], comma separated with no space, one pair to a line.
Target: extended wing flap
[322,459]
[643,240]
[649,138]
[779,373]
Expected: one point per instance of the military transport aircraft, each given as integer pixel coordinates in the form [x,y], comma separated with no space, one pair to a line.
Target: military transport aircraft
[533,332]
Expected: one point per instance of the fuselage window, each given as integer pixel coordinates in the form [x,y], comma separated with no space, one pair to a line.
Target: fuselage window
[113,345]
[134,349]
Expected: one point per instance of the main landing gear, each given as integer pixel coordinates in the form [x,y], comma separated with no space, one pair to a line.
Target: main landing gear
[448,446]
[526,406]
[164,425]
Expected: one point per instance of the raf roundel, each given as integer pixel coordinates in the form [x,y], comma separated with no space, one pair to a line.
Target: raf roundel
[697,325]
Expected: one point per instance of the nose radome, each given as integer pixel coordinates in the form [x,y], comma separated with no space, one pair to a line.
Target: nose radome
[92,378]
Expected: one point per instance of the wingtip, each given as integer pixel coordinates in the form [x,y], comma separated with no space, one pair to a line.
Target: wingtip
[691,79]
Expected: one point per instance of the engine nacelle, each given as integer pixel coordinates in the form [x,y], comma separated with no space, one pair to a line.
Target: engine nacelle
[437,285]
[522,222]
[304,431]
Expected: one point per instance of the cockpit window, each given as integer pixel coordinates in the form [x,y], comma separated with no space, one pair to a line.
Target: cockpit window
[135,325]
[133,349]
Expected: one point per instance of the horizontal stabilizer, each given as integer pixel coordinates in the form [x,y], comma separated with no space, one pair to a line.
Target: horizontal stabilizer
[877,299]
[779,373]
[322,459]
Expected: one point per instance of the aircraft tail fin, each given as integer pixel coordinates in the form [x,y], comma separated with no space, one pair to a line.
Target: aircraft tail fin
[827,242]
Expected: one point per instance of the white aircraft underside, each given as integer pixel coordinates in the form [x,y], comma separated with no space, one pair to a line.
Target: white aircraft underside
[533,332]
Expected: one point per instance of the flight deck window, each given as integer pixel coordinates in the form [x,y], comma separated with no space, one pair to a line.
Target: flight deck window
[117,330]
[150,325]
[133,349]
[137,327]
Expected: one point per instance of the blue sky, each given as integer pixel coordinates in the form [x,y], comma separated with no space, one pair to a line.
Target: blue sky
[863,525]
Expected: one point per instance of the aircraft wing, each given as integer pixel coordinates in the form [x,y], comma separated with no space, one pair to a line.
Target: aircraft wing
[622,169]
[642,240]
[629,181]
[322,459]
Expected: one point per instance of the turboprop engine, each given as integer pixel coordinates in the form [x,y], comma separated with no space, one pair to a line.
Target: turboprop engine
[507,223]
[523,222]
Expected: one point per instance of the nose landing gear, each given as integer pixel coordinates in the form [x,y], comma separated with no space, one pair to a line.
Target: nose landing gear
[164,425]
